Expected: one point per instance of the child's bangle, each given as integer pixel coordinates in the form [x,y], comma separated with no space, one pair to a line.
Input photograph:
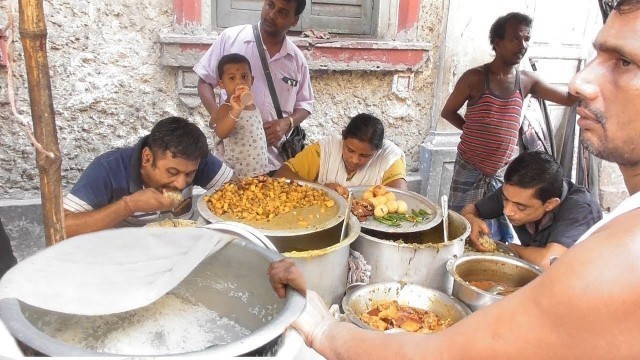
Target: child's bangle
[233,117]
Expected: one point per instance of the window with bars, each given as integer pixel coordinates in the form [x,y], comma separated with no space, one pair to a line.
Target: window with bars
[345,17]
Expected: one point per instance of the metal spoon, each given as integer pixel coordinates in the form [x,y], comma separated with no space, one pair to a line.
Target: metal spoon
[502,289]
[345,222]
[445,216]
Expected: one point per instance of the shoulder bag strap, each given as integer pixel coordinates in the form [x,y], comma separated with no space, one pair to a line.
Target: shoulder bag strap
[267,71]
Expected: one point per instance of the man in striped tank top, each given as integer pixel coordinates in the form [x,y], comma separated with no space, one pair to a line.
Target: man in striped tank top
[494,94]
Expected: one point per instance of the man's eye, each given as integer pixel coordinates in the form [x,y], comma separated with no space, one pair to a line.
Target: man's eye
[624,62]
[172,172]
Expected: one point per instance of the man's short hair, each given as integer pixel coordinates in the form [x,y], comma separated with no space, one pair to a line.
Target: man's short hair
[627,6]
[499,27]
[233,58]
[179,136]
[300,5]
[539,170]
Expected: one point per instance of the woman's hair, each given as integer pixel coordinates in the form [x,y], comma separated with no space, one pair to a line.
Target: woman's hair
[367,128]
[179,136]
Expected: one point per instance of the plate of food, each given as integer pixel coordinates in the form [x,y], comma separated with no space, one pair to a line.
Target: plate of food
[391,210]
[274,206]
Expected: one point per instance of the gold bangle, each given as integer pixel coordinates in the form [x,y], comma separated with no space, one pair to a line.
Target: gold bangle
[290,123]
[233,117]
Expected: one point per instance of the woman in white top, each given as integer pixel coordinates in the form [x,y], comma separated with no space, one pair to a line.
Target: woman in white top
[361,156]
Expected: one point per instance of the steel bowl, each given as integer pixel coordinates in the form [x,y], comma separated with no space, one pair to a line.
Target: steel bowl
[502,269]
[363,298]
[299,239]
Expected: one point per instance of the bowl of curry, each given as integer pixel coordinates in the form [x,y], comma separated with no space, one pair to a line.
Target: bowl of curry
[395,306]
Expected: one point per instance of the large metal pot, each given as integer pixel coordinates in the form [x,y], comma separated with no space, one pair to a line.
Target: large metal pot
[364,298]
[232,282]
[417,258]
[326,269]
[503,270]
[298,239]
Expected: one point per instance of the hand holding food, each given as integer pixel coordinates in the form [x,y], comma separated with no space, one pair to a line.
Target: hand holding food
[149,200]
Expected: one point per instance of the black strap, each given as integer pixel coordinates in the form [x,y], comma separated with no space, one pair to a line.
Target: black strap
[267,72]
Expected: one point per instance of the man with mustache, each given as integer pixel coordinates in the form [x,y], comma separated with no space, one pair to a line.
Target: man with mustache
[286,62]
[494,94]
[585,306]
[549,214]
[147,182]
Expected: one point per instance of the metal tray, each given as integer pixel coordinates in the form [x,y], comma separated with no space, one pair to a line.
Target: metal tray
[339,201]
[414,201]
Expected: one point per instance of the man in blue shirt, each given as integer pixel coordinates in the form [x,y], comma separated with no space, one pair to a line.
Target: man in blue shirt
[549,214]
[127,186]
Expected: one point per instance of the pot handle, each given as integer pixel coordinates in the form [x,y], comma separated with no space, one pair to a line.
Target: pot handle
[245,231]
[449,264]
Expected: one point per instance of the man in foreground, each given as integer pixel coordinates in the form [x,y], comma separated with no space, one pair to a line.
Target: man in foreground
[582,307]
[150,181]
[549,214]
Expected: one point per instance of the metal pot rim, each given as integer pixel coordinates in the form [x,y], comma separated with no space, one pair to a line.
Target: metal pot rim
[340,202]
[23,330]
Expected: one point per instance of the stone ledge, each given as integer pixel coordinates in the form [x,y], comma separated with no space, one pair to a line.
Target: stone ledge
[340,54]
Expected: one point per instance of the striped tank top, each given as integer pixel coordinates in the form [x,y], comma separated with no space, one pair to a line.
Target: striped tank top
[489,137]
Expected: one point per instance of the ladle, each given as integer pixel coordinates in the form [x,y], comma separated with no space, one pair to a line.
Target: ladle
[345,222]
[445,217]
[502,290]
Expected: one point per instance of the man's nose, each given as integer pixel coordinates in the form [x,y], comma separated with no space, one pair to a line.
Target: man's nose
[583,84]
[180,182]
[508,210]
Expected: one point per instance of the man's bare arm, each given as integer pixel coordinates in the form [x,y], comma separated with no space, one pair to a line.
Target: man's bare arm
[286,172]
[456,100]
[90,221]
[276,129]
[542,90]
[207,96]
[539,255]
[146,200]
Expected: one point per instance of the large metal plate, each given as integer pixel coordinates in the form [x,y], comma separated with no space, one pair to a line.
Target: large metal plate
[339,201]
[414,201]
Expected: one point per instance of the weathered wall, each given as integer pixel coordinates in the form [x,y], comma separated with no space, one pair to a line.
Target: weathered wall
[109,88]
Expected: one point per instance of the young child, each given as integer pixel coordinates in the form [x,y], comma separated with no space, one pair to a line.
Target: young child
[238,121]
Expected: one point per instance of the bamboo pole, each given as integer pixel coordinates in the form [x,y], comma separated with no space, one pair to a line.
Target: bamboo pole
[33,34]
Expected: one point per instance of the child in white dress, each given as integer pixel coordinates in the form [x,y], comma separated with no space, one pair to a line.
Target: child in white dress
[238,121]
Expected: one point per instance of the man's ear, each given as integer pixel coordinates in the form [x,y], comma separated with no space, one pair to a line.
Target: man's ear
[551,204]
[295,22]
[146,157]
[220,83]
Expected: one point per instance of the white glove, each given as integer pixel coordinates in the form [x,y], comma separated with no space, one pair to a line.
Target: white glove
[314,320]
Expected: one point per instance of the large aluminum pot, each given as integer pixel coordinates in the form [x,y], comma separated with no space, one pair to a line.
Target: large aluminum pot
[296,239]
[326,269]
[417,258]
[232,282]
[503,270]
[364,298]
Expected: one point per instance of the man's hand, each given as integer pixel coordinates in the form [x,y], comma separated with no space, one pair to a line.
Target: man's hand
[479,228]
[314,320]
[149,200]
[285,272]
[275,130]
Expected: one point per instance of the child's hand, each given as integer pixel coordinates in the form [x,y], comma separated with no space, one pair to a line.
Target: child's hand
[235,101]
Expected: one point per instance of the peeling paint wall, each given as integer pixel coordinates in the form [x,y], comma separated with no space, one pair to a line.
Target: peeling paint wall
[109,88]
